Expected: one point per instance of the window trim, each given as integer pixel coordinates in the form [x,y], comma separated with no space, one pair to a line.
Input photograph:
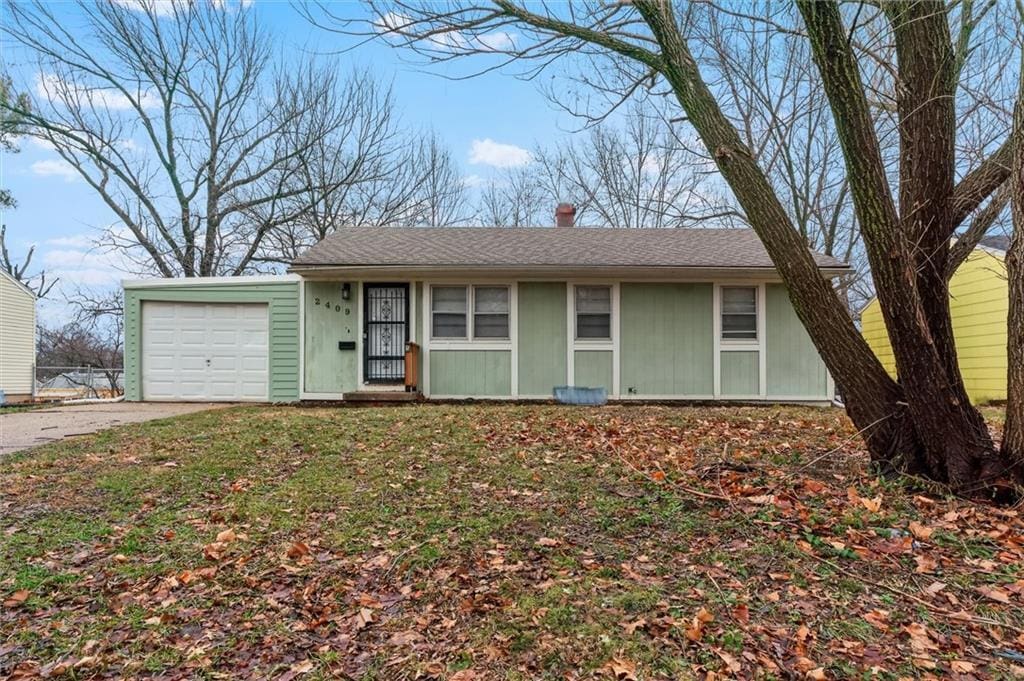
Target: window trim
[465,313]
[508,314]
[470,341]
[606,341]
[753,342]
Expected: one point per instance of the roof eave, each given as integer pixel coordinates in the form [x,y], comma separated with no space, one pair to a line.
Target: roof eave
[324,271]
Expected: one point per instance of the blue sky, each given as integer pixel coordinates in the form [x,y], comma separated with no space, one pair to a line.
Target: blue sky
[485,121]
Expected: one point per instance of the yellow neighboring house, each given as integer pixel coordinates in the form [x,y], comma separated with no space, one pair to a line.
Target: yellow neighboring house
[979,302]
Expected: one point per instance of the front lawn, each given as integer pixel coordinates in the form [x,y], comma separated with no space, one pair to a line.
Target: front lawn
[496,542]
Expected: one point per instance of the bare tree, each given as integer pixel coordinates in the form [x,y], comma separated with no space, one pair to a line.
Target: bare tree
[92,339]
[923,424]
[636,174]
[11,126]
[1013,432]
[176,116]
[37,282]
[640,175]
[516,198]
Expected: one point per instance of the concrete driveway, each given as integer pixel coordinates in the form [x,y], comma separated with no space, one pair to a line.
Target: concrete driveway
[25,429]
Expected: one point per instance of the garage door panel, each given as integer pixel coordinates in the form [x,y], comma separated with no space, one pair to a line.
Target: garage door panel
[252,363]
[205,351]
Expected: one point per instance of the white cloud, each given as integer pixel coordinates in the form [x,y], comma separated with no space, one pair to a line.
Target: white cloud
[73,241]
[473,181]
[77,261]
[41,143]
[163,8]
[491,153]
[49,86]
[55,168]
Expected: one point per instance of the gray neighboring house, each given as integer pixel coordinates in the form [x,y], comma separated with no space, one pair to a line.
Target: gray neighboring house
[495,313]
[17,339]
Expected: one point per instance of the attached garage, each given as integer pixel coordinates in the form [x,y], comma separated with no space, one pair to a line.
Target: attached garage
[228,339]
[205,351]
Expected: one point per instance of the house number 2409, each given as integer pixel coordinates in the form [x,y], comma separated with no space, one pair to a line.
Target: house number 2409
[327,304]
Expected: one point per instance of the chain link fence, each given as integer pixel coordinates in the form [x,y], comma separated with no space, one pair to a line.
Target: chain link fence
[65,383]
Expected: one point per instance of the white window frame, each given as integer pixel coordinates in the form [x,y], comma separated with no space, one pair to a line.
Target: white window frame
[465,313]
[758,321]
[611,315]
[759,345]
[470,341]
[592,344]
[473,313]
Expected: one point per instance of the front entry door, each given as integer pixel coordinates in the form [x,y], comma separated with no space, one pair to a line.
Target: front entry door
[385,332]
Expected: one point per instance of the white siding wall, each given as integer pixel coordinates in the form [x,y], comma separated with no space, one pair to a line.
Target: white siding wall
[17,338]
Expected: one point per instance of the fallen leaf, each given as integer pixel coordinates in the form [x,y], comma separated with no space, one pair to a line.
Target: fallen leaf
[548,541]
[631,627]
[961,666]
[623,670]
[302,667]
[227,536]
[925,564]
[695,631]
[994,593]
[297,550]
[879,619]
[464,675]
[17,598]
[363,618]
[922,532]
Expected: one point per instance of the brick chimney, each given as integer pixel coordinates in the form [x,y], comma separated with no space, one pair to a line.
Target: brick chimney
[565,215]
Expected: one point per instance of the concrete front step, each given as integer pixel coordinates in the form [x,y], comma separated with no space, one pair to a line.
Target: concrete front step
[381,396]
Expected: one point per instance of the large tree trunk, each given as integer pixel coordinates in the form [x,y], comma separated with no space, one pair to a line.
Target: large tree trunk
[925,424]
[1013,432]
[908,252]
[875,402]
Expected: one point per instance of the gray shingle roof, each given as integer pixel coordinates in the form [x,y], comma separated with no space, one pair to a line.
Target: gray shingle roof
[1000,242]
[542,247]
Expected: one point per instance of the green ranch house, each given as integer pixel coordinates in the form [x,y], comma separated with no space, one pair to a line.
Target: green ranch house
[483,313]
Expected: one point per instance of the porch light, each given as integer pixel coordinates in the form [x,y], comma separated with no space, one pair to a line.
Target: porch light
[346,291]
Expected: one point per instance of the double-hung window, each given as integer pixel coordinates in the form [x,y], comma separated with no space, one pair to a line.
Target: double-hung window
[739,313]
[594,312]
[448,312]
[451,318]
[490,312]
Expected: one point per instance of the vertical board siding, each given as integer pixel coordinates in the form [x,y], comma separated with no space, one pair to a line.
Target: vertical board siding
[794,367]
[979,304]
[593,369]
[739,373]
[542,337]
[470,373]
[283,302]
[17,338]
[667,339]
[329,320]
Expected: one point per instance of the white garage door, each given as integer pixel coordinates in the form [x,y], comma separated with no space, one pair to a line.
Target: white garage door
[197,351]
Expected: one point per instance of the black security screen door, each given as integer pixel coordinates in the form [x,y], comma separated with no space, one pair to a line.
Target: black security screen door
[385,332]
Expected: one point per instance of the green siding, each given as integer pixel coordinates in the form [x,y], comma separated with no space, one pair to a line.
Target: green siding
[483,373]
[794,367]
[740,373]
[282,299]
[593,369]
[667,339]
[329,319]
[542,337]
